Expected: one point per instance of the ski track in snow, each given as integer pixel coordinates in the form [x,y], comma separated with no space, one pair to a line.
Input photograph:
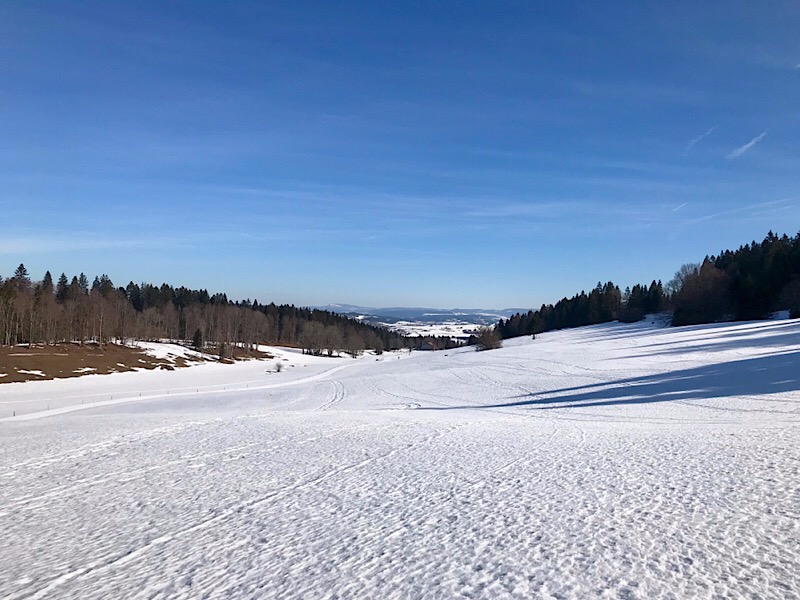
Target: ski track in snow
[617,461]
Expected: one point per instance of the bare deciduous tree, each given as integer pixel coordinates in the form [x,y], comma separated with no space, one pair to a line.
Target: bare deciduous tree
[488,339]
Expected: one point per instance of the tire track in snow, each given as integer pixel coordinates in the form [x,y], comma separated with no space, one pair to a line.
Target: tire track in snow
[338,393]
[385,393]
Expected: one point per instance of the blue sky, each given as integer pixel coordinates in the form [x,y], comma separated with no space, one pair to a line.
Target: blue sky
[488,154]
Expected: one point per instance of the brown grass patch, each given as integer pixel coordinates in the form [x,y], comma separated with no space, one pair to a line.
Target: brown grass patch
[21,363]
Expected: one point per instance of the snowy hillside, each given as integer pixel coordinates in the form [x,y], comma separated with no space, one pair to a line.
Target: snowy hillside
[610,461]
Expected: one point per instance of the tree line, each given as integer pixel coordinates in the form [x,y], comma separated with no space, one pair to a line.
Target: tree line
[744,284]
[75,311]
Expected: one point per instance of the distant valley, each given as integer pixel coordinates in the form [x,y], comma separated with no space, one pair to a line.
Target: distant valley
[455,323]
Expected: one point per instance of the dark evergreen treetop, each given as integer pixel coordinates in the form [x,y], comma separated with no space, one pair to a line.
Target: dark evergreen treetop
[47,283]
[61,288]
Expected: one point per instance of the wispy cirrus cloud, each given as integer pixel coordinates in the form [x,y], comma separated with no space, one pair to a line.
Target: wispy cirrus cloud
[742,149]
[568,212]
[751,209]
[698,139]
[53,244]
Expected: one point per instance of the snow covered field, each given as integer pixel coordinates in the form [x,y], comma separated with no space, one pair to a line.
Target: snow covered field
[457,330]
[618,461]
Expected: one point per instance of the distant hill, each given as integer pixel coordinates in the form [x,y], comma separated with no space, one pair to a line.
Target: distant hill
[394,314]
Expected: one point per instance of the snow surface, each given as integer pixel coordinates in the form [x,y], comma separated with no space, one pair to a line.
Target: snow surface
[171,352]
[612,461]
[450,328]
[31,372]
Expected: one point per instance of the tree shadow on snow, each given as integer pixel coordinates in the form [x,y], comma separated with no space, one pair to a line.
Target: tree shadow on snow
[775,373]
[742,342]
[760,335]
[693,333]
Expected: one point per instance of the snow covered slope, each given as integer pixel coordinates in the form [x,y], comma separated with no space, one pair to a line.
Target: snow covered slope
[610,461]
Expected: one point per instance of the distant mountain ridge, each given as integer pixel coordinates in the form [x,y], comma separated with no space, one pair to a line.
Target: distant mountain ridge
[393,314]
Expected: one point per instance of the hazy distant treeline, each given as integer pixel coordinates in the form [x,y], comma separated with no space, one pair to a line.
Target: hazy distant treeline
[748,283]
[44,312]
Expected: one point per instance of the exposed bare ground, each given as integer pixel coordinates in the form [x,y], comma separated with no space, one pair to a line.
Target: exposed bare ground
[23,363]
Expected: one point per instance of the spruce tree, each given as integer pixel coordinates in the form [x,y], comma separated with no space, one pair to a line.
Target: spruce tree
[106,286]
[74,289]
[83,283]
[21,277]
[61,288]
[47,283]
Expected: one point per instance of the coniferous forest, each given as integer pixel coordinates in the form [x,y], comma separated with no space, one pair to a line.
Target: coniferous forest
[735,285]
[73,310]
[743,284]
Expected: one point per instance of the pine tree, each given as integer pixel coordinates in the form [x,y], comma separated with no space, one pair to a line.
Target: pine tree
[21,273]
[106,286]
[61,288]
[133,292]
[83,283]
[21,278]
[74,289]
[47,284]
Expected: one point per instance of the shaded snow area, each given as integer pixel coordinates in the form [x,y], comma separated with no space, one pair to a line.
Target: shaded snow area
[617,461]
